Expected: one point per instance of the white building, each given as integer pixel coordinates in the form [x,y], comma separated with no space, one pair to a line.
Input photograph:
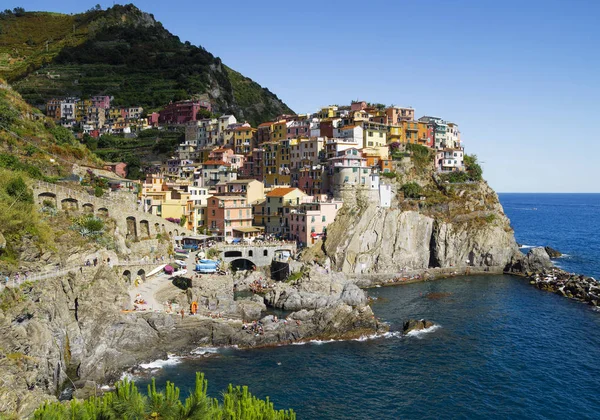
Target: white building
[448,160]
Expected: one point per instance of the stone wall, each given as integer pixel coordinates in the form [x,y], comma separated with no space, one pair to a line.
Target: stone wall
[132,222]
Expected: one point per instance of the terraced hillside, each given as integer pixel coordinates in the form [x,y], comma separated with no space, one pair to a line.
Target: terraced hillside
[125,53]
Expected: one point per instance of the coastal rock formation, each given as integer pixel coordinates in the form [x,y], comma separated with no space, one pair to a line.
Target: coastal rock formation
[75,329]
[573,286]
[536,261]
[552,253]
[416,325]
[470,231]
[318,288]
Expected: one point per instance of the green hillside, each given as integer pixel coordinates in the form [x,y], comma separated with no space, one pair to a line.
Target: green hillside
[125,53]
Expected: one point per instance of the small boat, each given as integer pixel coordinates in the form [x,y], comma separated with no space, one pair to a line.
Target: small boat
[156,270]
[181,263]
[168,269]
[181,256]
[182,251]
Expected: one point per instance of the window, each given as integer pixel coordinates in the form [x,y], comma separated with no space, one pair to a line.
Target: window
[370,134]
[265,253]
[213,212]
[323,219]
[312,220]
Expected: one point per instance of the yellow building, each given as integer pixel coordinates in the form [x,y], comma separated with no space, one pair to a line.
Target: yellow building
[162,201]
[374,136]
[244,140]
[395,134]
[411,131]
[328,112]
[114,114]
[81,109]
[279,130]
[423,133]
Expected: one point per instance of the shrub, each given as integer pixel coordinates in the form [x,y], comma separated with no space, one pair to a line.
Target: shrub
[98,191]
[126,402]
[212,253]
[411,190]
[62,135]
[89,226]
[473,168]
[17,189]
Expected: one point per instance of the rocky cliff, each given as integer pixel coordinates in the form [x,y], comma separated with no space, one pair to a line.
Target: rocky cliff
[457,226]
[75,331]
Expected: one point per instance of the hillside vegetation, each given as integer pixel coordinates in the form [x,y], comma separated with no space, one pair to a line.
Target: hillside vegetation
[125,53]
[31,147]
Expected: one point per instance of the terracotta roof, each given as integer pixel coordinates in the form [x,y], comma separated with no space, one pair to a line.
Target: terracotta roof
[265,124]
[216,162]
[242,129]
[280,192]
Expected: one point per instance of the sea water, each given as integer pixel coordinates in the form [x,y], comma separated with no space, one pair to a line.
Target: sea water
[570,223]
[501,348]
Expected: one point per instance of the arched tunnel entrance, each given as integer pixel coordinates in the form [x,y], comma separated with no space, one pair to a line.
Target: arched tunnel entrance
[242,264]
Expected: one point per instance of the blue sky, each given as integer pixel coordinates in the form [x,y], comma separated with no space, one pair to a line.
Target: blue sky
[521,78]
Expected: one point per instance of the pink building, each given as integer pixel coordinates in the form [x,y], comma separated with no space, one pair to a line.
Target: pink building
[310,180]
[153,119]
[183,111]
[101,102]
[297,129]
[119,168]
[358,105]
[308,222]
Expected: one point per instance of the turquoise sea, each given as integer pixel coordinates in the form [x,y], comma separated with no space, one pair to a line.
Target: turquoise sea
[503,349]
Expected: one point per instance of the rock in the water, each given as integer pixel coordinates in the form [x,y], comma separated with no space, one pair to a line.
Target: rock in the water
[552,253]
[537,260]
[416,325]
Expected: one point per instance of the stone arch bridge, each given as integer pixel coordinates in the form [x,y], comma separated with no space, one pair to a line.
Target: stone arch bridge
[261,255]
[131,221]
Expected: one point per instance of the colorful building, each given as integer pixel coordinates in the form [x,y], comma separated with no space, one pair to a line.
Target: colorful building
[308,221]
[395,115]
[244,140]
[227,212]
[182,111]
[277,205]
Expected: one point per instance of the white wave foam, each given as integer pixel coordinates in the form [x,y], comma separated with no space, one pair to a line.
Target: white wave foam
[527,246]
[159,364]
[127,375]
[392,334]
[201,351]
[420,333]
